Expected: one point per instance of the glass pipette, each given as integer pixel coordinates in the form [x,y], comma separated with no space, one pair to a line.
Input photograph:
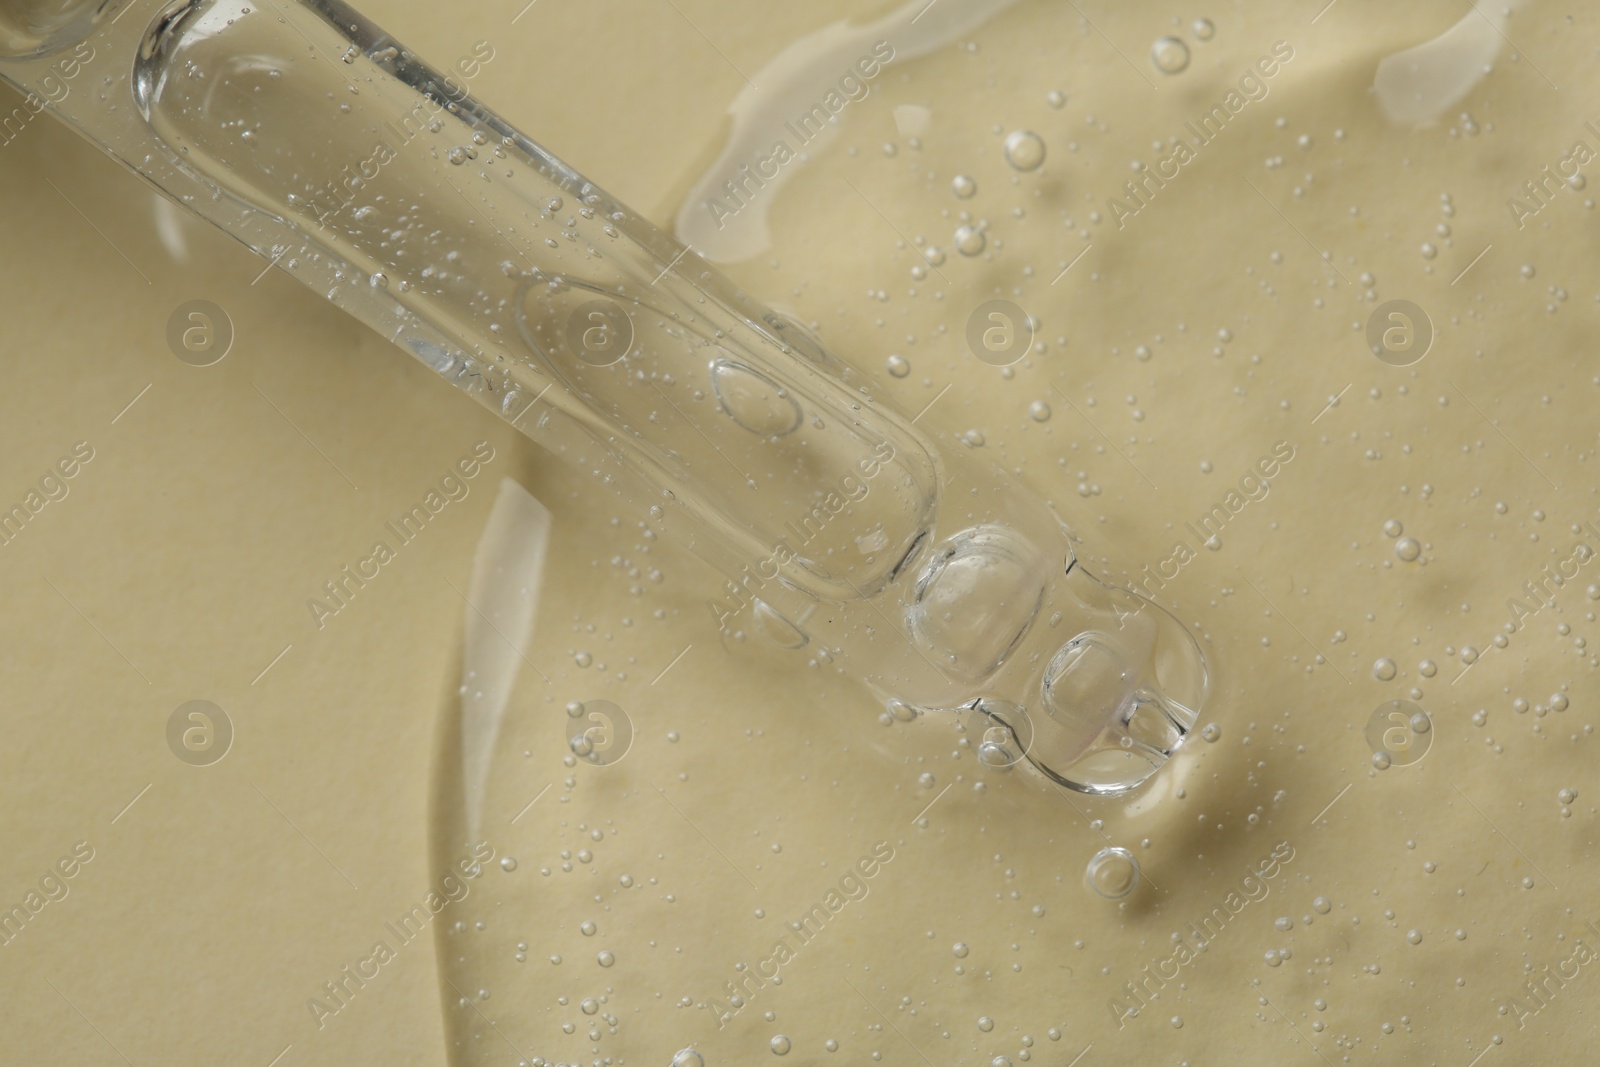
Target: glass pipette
[841,529]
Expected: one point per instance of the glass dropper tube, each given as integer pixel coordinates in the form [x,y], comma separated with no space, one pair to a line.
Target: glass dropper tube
[842,530]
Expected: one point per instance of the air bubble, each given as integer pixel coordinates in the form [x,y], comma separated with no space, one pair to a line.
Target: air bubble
[1112,873]
[970,240]
[1170,55]
[1024,150]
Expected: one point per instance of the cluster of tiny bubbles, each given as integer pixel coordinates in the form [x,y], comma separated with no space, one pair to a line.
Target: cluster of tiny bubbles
[1024,150]
[1170,55]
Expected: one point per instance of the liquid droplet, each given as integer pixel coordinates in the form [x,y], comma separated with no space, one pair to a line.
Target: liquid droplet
[963,186]
[898,366]
[1407,549]
[1203,29]
[781,1045]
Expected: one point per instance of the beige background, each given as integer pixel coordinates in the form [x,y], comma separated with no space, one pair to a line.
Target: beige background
[178,568]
